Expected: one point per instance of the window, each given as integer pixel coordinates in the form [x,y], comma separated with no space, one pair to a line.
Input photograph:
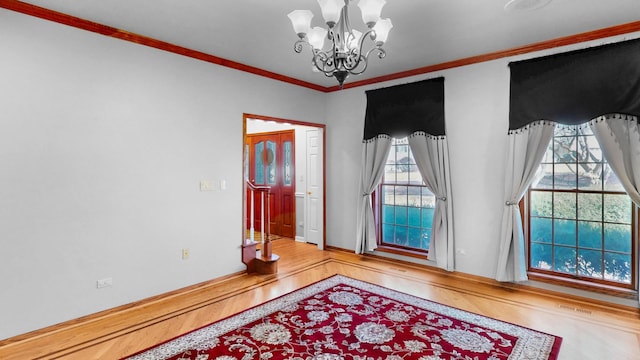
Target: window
[404,205]
[580,218]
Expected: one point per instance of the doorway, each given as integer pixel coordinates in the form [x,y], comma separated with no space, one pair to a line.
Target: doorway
[272,163]
[297,186]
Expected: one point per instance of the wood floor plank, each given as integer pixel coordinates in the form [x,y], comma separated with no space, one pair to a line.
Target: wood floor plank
[590,330]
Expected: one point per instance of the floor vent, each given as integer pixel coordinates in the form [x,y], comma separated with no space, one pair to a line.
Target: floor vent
[575,309]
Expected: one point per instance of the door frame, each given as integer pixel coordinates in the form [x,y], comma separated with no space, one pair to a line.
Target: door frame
[323,127]
[277,194]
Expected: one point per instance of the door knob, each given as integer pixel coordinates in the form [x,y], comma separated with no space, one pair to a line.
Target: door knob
[309,193]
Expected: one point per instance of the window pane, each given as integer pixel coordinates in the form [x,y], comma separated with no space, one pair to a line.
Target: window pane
[401,236]
[611,181]
[259,166]
[288,165]
[414,216]
[427,217]
[388,232]
[590,234]
[541,230]
[617,238]
[564,149]
[564,176]
[414,237]
[566,131]
[617,208]
[564,205]
[401,215]
[590,207]
[564,232]
[541,203]
[389,174]
[401,195]
[544,177]
[617,267]
[271,162]
[564,259]
[541,256]
[426,238]
[388,195]
[428,199]
[414,195]
[589,149]
[590,176]
[590,263]
[388,214]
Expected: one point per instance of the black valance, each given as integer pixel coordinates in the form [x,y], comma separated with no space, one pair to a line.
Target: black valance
[401,110]
[577,86]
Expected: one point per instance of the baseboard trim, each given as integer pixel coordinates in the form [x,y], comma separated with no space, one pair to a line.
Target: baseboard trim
[630,310]
[70,336]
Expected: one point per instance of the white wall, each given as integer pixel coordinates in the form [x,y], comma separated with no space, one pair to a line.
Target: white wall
[103,144]
[476,115]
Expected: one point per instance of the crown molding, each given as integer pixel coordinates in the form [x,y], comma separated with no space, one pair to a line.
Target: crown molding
[61,18]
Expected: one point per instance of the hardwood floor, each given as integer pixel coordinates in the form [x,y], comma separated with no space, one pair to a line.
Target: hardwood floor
[590,330]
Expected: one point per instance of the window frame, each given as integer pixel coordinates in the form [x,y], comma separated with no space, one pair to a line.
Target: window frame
[377,205]
[574,280]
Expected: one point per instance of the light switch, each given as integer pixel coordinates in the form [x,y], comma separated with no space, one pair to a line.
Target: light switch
[205,185]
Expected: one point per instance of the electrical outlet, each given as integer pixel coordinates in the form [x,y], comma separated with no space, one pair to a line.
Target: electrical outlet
[185,254]
[103,283]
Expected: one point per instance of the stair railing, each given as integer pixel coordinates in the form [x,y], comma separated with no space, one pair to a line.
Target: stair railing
[264,216]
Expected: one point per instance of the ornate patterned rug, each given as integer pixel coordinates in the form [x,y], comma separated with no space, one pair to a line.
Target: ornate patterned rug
[344,318]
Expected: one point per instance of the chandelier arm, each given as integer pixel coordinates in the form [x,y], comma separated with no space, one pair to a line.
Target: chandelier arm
[324,63]
[353,58]
[297,47]
[381,52]
[365,60]
[362,61]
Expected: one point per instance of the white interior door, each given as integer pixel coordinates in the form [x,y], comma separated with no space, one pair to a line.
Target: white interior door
[314,194]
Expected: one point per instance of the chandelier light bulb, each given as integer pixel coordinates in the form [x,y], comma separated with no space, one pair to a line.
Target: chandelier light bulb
[371,10]
[301,21]
[316,37]
[331,10]
[382,29]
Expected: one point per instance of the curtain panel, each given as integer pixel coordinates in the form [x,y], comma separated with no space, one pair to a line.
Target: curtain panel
[524,153]
[619,139]
[374,156]
[415,110]
[432,158]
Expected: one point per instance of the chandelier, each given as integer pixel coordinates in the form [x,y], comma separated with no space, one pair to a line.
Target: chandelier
[346,55]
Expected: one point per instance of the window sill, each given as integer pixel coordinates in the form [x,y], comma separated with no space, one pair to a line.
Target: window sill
[584,285]
[405,252]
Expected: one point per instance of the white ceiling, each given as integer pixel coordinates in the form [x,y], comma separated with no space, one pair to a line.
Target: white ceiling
[426,32]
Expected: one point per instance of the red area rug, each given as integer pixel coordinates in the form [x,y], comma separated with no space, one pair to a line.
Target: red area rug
[343,318]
